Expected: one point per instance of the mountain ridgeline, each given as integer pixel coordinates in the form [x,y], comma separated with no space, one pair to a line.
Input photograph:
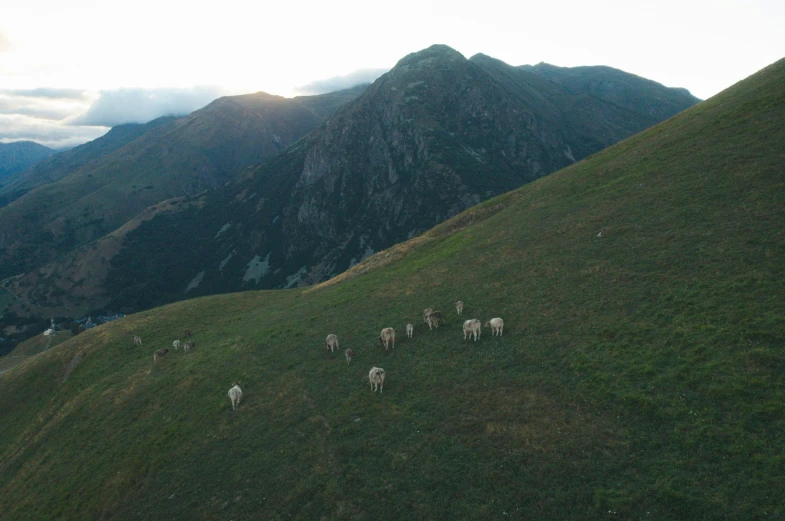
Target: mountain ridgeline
[432,137]
[18,156]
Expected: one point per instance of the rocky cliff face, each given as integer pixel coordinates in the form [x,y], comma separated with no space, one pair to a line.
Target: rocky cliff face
[435,135]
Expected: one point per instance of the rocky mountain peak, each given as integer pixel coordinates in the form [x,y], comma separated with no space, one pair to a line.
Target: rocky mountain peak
[435,56]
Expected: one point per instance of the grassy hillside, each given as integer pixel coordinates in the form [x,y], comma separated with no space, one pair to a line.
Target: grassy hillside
[31,347]
[640,375]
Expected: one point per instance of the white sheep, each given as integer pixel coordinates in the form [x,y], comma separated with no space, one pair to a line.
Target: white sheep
[137,340]
[235,395]
[459,307]
[176,345]
[332,342]
[376,377]
[386,337]
[409,330]
[472,328]
[496,325]
[349,355]
[425,314]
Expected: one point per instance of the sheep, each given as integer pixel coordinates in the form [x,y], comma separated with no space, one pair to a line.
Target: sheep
[235,395]
[459,307]
[409,330]
[387,335]
[376,377]
[176,345]
[472,328]
[496,325]
[332,342]
[187,332]
[137,340]
[434,319]
[188,346]
[160,354]
[349,354]
[425,314]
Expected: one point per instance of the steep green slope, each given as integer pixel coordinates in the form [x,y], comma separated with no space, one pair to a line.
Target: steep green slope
[640,375]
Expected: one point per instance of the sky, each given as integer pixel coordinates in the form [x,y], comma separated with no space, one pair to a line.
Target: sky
[70,69]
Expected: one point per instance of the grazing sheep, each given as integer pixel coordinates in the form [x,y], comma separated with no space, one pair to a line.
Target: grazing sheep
[387,336]
[160,354]
[349,355]
[434,319]
[188,346]
[472,328]
[409,330]
[496,325]
[187,332]
[331,342]
[425,314]
[376,377]
[137,340]
[235,395]
[459,307]
[176,345]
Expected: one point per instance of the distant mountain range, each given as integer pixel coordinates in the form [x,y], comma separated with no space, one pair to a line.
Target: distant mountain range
[83,194]
[18,156]
[357,172]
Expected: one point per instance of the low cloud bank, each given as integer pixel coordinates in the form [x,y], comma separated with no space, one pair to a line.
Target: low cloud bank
[47,132]
[61,118]
[115,107]
[341,82]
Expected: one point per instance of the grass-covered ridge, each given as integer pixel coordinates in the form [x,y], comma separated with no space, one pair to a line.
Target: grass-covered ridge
[640,375]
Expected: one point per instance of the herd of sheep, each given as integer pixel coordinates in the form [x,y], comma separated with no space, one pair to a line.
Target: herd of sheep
[471,330]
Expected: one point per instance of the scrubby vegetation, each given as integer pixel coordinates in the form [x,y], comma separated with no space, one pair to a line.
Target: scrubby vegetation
[640,375]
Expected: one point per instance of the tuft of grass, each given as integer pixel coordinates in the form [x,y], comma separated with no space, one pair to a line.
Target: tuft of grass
[640,374]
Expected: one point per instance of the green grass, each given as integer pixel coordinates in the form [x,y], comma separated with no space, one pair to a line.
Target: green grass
[640,375]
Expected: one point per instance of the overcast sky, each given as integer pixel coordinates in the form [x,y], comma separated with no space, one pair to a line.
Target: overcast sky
[70,68]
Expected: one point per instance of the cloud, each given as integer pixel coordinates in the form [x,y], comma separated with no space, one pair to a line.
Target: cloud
[341,82]
[63,94]
[60,118]
[115,107]
[50,133]
[43,112]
